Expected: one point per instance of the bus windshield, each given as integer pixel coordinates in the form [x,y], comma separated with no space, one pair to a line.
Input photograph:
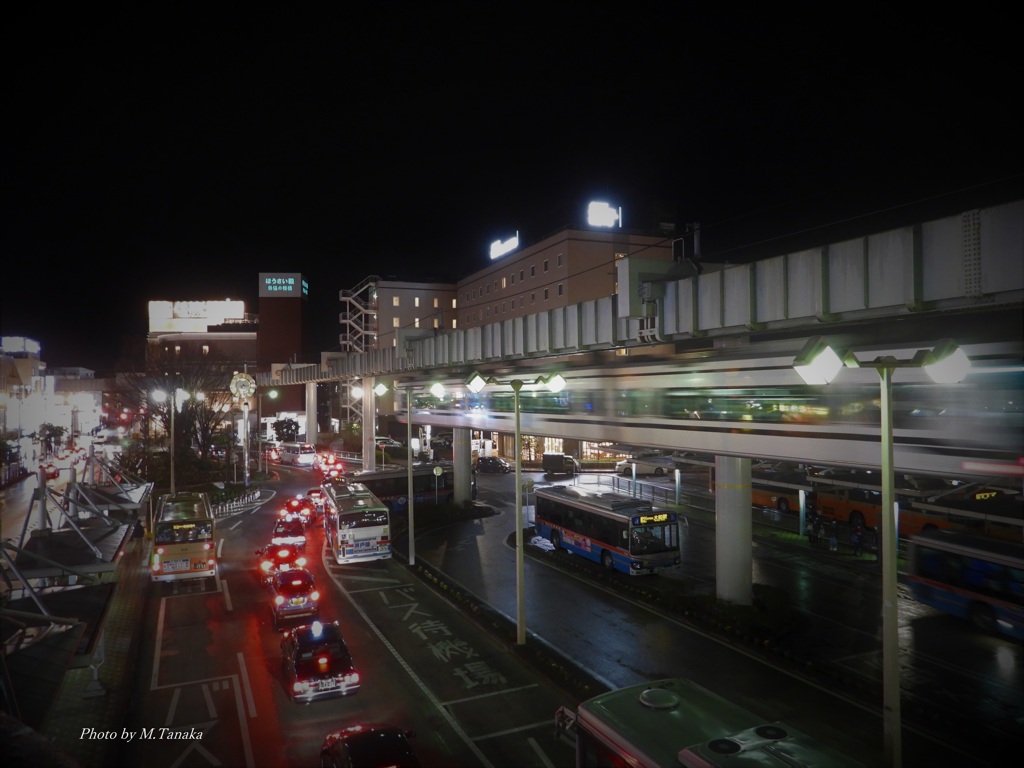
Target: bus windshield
[181,531]
[649,539]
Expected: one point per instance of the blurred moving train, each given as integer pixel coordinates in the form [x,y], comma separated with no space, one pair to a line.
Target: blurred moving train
[757,406]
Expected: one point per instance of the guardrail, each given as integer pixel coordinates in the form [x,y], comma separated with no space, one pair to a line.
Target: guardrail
[237,504]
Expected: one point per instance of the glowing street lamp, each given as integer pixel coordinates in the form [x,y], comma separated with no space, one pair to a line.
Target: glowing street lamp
[946,363]
[554,383]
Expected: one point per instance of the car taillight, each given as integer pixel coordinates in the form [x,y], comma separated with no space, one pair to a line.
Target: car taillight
[300,562]
[266,565]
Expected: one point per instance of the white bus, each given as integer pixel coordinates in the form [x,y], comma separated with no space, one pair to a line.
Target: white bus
[297,454]
[676,723]
[357,523]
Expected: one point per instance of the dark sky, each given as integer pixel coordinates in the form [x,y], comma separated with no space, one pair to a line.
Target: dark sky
[176,155]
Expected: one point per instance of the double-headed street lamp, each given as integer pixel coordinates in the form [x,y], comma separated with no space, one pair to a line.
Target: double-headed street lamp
[437,390]
[554,383]
[946,363]
[177,398]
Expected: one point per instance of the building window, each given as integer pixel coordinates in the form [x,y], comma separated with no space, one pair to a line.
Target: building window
[437,303]
[416,301]
[558,260]
[455,324]
[561,289]
[395,301]
[394,322]
[520,302]
[521,278]
[545,294]
[177,349]
[454,303]
[416,323]
[488,289]
[503,283]
[545,265]
[533,298]
[436,325]
[533,270]
[206,350]
[513,278]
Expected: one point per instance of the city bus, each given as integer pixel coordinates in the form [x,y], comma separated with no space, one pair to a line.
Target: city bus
[615,530]
[861,507]
[392,485]
[971,577]
[357,523]
[297,454]
[675,722]
[184,538]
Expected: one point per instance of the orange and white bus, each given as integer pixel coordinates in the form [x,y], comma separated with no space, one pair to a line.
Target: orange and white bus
[184,538]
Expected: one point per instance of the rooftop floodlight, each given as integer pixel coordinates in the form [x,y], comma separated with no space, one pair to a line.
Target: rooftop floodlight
[476,382]
[817,362]
[380,389]
[357,392]
[947,363]
[437,389]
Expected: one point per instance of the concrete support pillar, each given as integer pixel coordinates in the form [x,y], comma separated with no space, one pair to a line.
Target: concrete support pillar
[312,429]
[733,531]
[369,422]
[462,459]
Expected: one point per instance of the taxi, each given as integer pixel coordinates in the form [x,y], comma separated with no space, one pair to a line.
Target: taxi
[317,663]
[293,596]
[272,559]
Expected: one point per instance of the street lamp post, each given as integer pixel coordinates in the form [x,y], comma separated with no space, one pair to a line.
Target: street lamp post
[436,389]
[554,383]
[818,363]
[272,394]
[176,397]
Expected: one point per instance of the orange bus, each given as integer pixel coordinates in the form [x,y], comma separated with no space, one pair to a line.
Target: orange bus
[859,506]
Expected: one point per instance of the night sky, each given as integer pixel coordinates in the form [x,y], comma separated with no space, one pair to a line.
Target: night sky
[176,155]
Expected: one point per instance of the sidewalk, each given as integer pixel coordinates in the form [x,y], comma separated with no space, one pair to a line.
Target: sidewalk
[97,700]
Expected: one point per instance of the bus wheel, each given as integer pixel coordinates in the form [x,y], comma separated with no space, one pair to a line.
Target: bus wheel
[556,540]
[983,618]
[659,471]
[606,560]
[856,520]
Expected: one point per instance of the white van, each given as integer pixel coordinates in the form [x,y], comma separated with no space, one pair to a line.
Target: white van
[297,454]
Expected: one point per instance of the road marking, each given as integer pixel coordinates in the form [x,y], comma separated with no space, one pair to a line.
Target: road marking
[227,595]
[520,729]
[487,695]
[248,687]
[540,753]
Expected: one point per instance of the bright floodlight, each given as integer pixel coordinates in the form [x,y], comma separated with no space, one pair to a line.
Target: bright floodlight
[476,382]
[380,389]
[817,362]
[555,382]
[603,215]
[437,389]
[948,364]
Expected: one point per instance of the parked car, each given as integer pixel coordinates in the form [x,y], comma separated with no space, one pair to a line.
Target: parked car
[559,464]
[369,746]
[492,464]
[294,596]
[316,664]
[387,443]
[647,465]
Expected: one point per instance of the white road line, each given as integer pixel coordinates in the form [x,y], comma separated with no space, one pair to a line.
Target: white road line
[158,643]
[488,695]
[173,707]
[242,723]
[540,753]
[520,729]
[248,687]
[209,701]
[227,595]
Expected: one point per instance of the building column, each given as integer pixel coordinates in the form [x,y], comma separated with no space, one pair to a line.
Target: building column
[733,531]
[369,422]
[462,459]
[312,429]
